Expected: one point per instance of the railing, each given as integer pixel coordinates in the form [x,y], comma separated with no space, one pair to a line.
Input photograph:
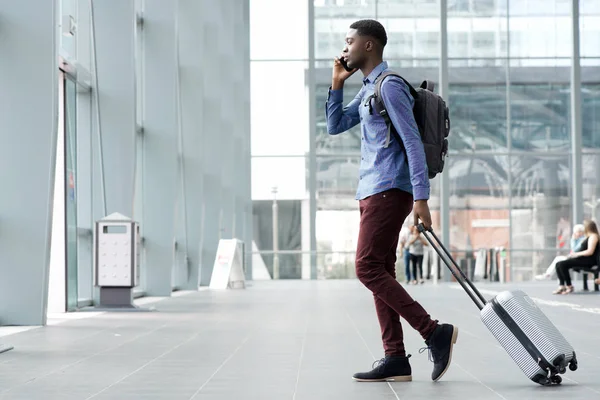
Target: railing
[516,265]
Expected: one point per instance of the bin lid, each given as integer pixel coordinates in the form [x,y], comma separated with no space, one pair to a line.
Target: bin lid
[116,217]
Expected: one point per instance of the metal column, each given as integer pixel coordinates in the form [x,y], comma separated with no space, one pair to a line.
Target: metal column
[576,131]
[28,132]
[444,92]
[113,22]
[191,32]
[509,135]
[312,165]
[275,235]
[160,148]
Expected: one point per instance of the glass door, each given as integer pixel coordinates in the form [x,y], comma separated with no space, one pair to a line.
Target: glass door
[70,159]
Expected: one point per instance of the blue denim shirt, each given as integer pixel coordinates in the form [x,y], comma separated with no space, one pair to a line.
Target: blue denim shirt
[576,243]
[383,168]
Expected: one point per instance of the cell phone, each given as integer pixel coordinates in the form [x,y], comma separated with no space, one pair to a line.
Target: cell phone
[344,64]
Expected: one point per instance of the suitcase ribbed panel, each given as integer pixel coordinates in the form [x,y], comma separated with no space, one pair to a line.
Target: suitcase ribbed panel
[536,326]
[513,347]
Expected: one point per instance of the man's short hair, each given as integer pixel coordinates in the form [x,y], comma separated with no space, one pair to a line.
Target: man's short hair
[579,228]
[370,27]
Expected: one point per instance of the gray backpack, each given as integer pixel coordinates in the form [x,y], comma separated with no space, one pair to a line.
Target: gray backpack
[432,117]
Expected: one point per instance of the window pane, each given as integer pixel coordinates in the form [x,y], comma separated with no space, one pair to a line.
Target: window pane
[279,116]
[484,44]
[589,35]
[589,7]
[458,7]
[458,44]
[290,217]
[330,35]
[537,8]
[541,205]
[287,174]
[411,37]
[478,202]
[540,28]
[356,9]
[427,42]
[337,216]
[485,7]
[591,186]
[590,99]
[337,237]
[407,8]
[337,181]
[266,40]
[329,43]
[540,115]
[401,45]
[345,142]
[477,104]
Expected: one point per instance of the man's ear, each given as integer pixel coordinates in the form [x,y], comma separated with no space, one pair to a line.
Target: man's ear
[369,46]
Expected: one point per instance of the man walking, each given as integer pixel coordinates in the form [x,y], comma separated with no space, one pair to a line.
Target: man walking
[393,182]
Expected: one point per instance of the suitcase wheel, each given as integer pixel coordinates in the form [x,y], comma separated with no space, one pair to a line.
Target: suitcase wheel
[573,363]
[573,366]
[556,379]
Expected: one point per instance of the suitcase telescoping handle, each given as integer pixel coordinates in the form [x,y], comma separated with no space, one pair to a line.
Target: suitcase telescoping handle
[458,273]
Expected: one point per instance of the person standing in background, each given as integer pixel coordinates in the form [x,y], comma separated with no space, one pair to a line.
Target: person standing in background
[416,250]
[404,237]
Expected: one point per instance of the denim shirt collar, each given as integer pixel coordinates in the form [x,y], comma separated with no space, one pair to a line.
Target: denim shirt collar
[375,73]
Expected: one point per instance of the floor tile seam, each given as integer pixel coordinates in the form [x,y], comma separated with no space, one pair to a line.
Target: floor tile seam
[64,367]
[192,337]
[301,356]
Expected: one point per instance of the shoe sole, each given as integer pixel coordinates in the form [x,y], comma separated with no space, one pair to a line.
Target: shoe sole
[452,343]
[407,378]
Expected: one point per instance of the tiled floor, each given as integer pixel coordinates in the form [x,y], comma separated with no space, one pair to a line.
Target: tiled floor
[283,340]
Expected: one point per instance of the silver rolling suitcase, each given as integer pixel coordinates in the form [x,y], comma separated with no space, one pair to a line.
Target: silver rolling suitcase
[525,332]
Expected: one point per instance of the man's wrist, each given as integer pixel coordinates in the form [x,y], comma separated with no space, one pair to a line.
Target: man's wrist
[337,84]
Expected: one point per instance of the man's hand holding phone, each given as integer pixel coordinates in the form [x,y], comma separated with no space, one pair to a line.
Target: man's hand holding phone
[340,73]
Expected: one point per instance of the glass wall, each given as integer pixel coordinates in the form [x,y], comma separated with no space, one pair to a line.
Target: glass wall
[70,160]
[509,69]
[280,112]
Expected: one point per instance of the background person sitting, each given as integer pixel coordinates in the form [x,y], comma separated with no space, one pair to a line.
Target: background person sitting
[576,239]
[587,256]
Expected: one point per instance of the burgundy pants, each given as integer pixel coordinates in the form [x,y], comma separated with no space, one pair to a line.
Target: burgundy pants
[381,218]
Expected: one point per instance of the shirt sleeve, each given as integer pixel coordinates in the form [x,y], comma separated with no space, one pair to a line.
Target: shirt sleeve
[399,105]
[340,118]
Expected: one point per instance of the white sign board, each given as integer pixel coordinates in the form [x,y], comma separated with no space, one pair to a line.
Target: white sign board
[228,271]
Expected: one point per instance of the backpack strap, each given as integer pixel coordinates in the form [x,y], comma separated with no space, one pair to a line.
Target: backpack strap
[380,107]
